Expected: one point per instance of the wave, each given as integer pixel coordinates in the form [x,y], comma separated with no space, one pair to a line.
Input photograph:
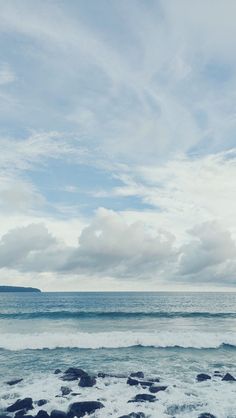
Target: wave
[113,315]
[115,339]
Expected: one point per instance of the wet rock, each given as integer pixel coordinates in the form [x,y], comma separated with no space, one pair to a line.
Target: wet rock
[143,397]
[26,403]
[140,375]
[57,371]
[65,390]
[102,375]
[132,382]
[20,413]
[4,416]
[42,414]
[134,415]
[206,415]
[13,382]
[76,371]
[145,383]
[87,381]
[41,402]
[58,414]
[155,389]
[201,377]
[229,378]
[80,409]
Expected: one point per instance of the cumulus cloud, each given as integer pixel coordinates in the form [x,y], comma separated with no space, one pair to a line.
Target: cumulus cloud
[110,247]
[211,245]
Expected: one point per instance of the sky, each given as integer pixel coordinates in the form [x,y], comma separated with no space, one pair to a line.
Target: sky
[118,145]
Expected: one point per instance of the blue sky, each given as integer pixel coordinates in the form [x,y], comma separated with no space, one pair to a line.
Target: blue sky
[117,135]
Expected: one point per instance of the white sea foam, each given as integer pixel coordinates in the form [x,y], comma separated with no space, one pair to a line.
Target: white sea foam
[116,340]
[181,399]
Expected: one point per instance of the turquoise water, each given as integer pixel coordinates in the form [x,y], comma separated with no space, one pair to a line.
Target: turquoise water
[170,335]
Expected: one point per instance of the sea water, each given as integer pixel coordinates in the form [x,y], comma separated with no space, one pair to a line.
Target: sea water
[173,336]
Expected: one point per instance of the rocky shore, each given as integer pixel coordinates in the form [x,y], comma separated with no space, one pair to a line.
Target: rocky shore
[78,407]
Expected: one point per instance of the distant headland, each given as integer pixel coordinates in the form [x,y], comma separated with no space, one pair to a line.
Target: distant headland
[19,289]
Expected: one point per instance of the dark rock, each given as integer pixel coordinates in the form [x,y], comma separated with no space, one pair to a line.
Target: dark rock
[202,376]
[132,382]
[75,394]
[41,402]
[4,416]
[140,375]
[58,414]
[134,415]
[77,372]
[13,382]
[143,397]
[135,382]
[65,390]
[87,381]
[145,383]
[57,371]
[20,413]
[80,409]
[229,378]
[206,415]
[100,374]
[155,389]
[26,403]
[42,414]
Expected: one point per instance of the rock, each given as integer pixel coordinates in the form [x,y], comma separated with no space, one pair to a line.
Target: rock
[135,382]
[140,375]
[102,375]
[155,389]
[80,409]
[4,416]
[73,373]
[202,376]
[58,414]
[57,371]
[41,402]
[143,397]
[77,372]
[65,390]
[229,378]
[206,415]
[42,414]
[13,382]
[87,381]
[20,413]
[26,403]
[134,415]
[145,383]
[132,382]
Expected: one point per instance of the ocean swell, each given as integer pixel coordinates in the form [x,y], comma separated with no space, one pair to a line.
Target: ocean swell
[199,340]
[56,315]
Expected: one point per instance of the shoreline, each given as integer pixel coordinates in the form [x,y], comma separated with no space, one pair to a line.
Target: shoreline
[78,393]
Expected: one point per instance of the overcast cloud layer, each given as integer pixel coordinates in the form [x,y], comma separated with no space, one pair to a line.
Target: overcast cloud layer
[118,150]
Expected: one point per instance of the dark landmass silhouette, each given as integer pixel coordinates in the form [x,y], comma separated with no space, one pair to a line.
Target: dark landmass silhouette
[19,289]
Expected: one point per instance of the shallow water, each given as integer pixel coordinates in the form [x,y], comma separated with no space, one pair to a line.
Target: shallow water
[173,336]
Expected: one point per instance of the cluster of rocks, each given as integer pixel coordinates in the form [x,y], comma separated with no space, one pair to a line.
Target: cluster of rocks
[22,407]
[201,377]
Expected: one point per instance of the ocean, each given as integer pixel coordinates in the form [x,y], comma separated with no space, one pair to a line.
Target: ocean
[170,336]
